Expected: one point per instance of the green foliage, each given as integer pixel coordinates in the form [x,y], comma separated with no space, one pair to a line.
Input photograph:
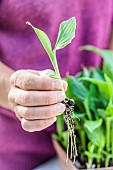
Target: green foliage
[107,56]
[92,90]
[94,132]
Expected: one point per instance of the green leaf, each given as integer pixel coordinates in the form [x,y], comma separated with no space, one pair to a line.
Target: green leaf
[86,72]
[66,33]
[98,74]
[94,132]
[91,125]
[105,87]
[109,86]
[47,46]
[43,39]
[107,55]
[77,88]
[86,106]
[102,113]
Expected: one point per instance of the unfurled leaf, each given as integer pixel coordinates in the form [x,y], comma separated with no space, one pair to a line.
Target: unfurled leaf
[107,55]
[106,87]
[66,33]
[94,132]
[91,125]
[98,74]
[43,39]
[102,113]
[77,88]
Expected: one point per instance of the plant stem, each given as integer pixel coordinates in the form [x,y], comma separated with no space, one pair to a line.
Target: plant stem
[87,109]
[109,130]
[55,65]
[107,161]
[108,134]
[83,139]
[112,139]
[98,160]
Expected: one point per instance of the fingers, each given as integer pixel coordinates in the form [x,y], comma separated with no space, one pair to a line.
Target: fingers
[35,98]
[36,125]
[29,80]
[45,112]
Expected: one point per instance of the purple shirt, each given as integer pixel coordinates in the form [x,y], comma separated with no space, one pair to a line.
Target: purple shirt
[21,49]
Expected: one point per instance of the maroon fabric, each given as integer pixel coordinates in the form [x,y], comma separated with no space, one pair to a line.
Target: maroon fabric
[20,49]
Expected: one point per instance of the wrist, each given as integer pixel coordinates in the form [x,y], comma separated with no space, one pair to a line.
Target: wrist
[5,73]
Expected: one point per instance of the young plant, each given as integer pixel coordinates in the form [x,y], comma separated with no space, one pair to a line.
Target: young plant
[65,36]
[92,90]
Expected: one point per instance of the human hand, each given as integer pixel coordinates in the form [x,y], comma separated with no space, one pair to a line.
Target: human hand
[36,98]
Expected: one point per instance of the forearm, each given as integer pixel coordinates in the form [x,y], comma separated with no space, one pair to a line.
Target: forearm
[5,73]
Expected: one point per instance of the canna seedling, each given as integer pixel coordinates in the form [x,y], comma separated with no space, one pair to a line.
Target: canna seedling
[92,90]
[65,36]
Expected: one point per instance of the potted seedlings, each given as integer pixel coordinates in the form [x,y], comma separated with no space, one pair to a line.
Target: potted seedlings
[92,90]
[90,120]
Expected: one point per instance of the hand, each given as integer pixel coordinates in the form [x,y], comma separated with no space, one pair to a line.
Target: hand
[36,98]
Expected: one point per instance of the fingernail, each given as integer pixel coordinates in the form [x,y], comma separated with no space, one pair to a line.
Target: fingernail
[65,85]
[60,108]
[60,96]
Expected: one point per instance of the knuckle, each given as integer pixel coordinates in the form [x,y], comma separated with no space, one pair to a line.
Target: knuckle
[25,97]
[11,97]
[14,77]
[45,83]
[49,99]
[56,85]
[26,113]
[27,82]
[51,111]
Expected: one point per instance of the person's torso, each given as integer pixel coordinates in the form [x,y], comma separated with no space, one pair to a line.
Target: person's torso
[20,47]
